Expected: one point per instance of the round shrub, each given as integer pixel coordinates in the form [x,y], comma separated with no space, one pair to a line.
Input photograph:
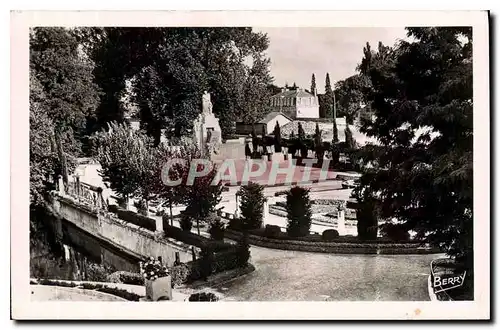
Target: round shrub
[272,231]
[329,235]
[203,296]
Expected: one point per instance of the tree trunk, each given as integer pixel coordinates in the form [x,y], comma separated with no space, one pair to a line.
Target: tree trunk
[171,214]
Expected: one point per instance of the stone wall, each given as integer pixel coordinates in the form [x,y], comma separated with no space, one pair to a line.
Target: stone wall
[129,238]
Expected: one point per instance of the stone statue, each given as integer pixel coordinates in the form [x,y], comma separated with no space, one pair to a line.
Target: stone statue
[206,128]
[206,103]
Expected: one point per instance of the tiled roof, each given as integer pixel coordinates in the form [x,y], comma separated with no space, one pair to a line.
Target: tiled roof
[270,116]
[293,93]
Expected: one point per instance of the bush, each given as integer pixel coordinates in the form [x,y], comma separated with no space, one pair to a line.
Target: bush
[298,206]
[329,235]
[136,219]
[252,205]
[186,223]
[394,232]
[203,296]
[272,231]
[216,229]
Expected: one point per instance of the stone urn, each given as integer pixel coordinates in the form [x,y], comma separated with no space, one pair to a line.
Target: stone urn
[159,289]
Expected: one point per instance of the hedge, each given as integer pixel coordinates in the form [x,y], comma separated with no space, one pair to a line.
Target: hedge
[335,246]
[136,219]
[192,271]
[193,239]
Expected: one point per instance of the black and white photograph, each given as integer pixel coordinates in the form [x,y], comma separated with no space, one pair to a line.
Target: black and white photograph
[243,162]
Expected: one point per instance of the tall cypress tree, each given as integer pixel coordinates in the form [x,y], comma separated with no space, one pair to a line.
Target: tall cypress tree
[313,83]
[328,98]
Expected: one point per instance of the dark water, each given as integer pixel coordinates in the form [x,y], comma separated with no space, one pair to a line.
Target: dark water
[75,255]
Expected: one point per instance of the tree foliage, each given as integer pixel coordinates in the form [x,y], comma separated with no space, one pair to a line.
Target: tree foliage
[62,99]
[421,95]
[251,205]
[170,68]
[313,84]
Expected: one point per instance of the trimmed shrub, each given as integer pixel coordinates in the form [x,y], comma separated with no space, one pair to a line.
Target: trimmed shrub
[298,206]
[329,235]
[272,231]
[252,205]
[186,223]
[394,232]
[136,219]
[216,228]
[203,296]
[367,225]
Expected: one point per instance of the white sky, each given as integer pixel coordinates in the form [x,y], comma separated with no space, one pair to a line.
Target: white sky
[297,53]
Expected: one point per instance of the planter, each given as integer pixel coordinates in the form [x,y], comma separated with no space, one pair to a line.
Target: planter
[159,288]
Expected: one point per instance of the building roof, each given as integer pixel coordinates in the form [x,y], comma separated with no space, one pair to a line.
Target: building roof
[293,93]
[273,114]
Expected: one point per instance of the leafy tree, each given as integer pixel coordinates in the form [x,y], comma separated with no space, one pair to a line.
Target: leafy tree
[421,95]
[277,138]
[298,207]
[251,205]
[202,197]
[123,156]
[43,156]
[313,83]
[349,97]
[63,93]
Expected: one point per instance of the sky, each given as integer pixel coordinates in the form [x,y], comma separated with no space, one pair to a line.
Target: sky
[296,53]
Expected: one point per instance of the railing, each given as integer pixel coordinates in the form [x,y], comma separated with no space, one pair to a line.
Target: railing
[86,194]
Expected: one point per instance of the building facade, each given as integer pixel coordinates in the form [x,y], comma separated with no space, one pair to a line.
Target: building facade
[296,103]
